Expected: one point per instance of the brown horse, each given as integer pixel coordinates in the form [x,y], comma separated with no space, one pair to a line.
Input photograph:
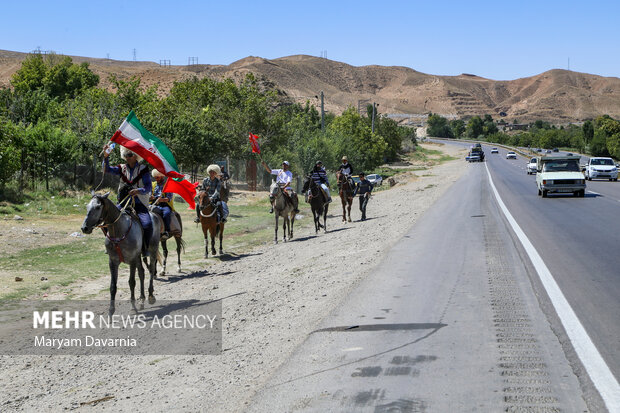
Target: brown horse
[346,195]
[208,220]
[177,233]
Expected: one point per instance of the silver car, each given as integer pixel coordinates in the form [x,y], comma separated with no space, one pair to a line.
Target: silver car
[375,179]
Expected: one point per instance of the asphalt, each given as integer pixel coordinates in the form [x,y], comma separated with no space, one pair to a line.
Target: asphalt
[449,320]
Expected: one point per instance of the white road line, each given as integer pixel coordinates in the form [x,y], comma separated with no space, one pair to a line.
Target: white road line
[597,369]
[592,192]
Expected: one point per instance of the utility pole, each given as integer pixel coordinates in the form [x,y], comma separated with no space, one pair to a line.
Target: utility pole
[322,113]
[374,110]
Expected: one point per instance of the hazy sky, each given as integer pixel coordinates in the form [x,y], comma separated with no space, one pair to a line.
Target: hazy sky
[500,40]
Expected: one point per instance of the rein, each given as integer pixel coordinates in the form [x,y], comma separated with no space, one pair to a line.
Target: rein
[116,241]
[207,216]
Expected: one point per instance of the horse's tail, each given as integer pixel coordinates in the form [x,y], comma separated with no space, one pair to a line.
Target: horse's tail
[181,242]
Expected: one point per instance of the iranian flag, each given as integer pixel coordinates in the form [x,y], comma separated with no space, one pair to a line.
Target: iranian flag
[184,188]
[254,143]
[133,136]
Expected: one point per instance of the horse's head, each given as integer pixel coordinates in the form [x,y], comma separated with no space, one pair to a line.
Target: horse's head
[95,211]
[203,200]
[307,181]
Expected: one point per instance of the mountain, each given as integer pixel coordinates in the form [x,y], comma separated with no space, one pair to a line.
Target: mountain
[558,96]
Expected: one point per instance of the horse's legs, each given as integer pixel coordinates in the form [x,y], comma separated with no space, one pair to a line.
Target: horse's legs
[164,247]
[350,202]
[344,211]
[275,240]
[113,278]
[132,280]
[207,244]
[221,238]
[290,235]
[179,242]
[213,236]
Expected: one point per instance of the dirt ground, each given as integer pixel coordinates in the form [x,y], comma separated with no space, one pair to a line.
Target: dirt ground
[278,294]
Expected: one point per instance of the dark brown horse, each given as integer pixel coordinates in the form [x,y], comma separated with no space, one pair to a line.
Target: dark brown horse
[177,233]
[346,195]
[208,220]
[318,203]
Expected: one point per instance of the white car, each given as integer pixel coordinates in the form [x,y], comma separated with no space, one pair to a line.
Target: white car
[494,150]
[531,167]
[560,174]
[375,179]
[601,168]
[511,155]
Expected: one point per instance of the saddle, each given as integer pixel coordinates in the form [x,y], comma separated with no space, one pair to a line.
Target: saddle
[176,226]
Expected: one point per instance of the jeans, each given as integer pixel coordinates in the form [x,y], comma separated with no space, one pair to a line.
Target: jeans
[166,213]
[363,203]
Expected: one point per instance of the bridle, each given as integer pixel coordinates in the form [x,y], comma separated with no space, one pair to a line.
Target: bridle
[201,206]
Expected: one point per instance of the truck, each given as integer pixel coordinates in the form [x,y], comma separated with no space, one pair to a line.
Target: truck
[559,174]
[476,154]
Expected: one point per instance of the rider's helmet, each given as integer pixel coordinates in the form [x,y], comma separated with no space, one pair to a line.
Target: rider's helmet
[345,159]
[285,163]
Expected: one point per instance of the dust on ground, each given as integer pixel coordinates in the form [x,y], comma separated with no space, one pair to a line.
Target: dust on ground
[278,295]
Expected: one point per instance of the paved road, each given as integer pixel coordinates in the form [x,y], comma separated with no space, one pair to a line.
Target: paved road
[454,319]
[579,240]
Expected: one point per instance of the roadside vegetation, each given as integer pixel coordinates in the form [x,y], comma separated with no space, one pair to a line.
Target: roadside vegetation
[54,117]
[597,137]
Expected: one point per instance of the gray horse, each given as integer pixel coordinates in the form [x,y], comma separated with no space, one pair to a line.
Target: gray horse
[283,207]
[123,243]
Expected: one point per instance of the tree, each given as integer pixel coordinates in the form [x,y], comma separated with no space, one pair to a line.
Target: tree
[438,127]
[588,132]
[475,128]
[9,152]
[458,127]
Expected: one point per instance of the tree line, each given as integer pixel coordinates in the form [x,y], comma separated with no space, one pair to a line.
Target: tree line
[597,137]
[55,114]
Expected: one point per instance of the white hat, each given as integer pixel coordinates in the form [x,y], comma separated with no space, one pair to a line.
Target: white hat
[214,167]
[125,152]
[285,163]
[155,173]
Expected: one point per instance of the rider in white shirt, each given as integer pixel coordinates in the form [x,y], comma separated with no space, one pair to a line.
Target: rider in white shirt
[284,178]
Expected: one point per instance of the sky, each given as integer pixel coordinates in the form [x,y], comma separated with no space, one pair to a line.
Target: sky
[501,40]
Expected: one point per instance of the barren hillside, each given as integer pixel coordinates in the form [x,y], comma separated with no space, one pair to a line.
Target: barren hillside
[556,95]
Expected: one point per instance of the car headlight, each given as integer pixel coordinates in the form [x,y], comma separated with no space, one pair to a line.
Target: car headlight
[581,181]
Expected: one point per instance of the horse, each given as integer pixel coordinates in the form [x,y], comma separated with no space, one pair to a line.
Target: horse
[346,195]
[177,233]
[318,203]
[208,220]
[283,207]
[123,243]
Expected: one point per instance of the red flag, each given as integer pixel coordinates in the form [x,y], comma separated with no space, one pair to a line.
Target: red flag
[184,188]
[254,142]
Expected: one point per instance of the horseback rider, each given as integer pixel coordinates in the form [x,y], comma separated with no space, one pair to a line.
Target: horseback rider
[319,176]
[135,183]
[162,201]
[284,178]
[363,188]
[346,169]
[213,187]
